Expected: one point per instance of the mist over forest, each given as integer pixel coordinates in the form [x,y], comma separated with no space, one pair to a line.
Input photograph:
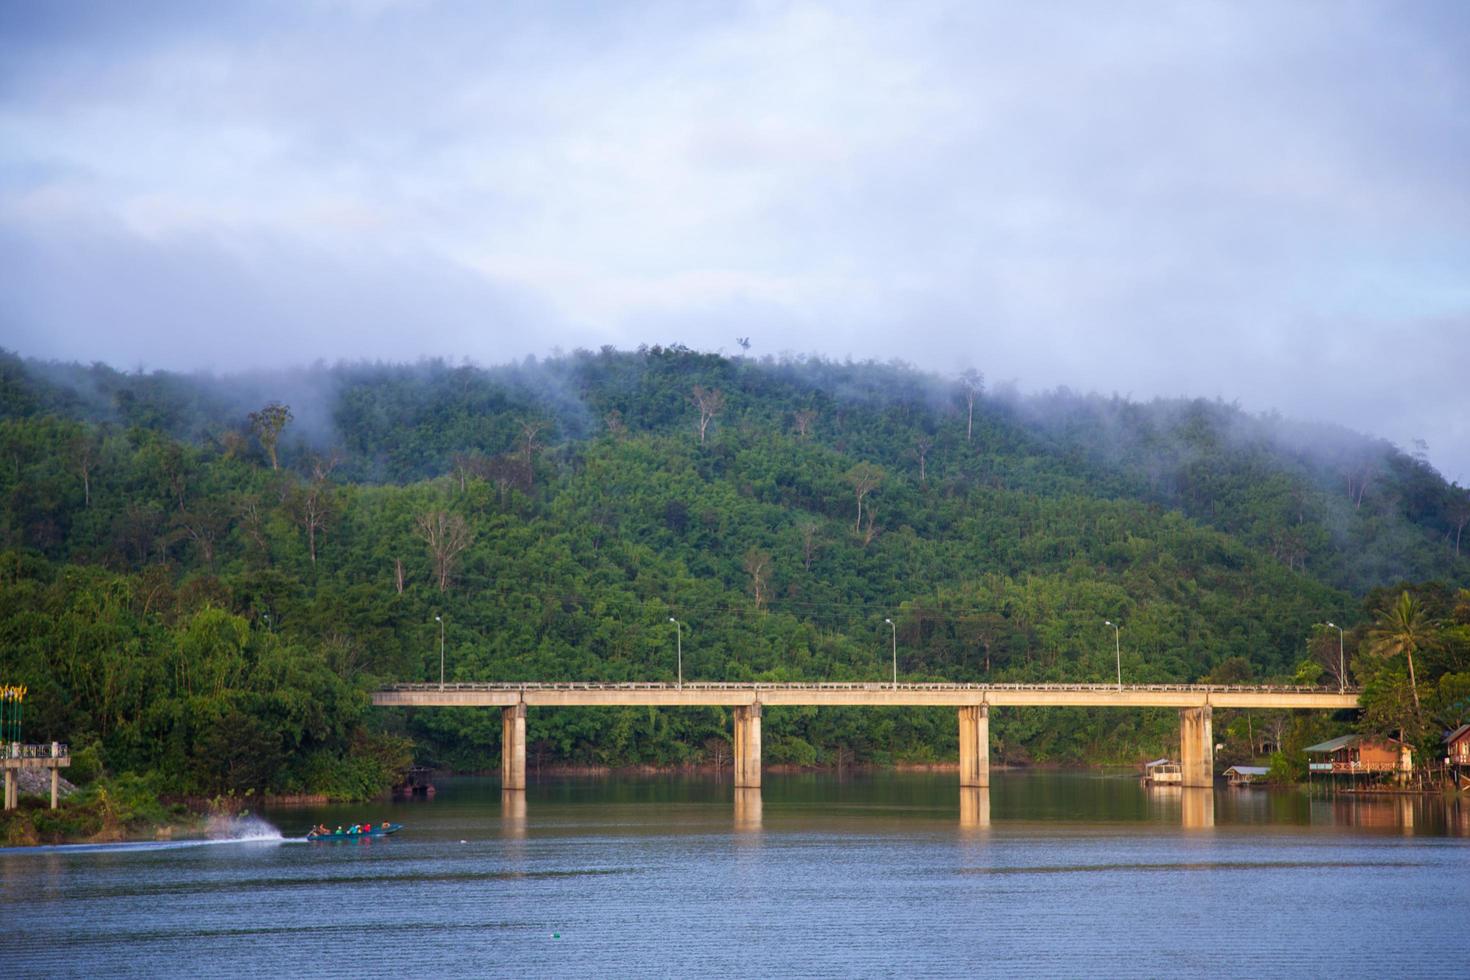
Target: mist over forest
[205,575]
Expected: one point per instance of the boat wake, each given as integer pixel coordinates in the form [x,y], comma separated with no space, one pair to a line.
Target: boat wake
[218,830]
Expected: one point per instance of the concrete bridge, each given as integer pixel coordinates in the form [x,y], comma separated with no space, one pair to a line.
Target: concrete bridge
[1195,702]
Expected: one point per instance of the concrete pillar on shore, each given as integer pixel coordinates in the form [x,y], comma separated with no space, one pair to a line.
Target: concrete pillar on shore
[975,745]
[513,747]
[9,788]
[55,786]
[1196,747]
[748,746]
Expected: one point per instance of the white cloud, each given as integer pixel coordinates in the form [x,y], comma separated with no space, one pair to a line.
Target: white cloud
[1201,197]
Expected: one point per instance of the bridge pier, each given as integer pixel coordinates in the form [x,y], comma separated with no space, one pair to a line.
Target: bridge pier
[513,747]
[1196,747]
[975,745]
[11,792]
[748,746]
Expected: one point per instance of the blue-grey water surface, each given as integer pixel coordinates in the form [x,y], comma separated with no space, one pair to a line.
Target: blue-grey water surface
[1046,874]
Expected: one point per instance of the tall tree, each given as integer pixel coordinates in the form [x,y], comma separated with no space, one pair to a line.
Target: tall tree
[267,425]
[1404,629]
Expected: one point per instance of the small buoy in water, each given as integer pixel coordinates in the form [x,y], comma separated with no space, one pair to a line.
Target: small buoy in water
[556,935]
[464,842]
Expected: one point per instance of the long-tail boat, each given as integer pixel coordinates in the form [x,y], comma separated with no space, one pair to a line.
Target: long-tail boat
[378,830]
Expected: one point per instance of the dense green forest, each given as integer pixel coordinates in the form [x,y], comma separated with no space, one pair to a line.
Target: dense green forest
[202,577]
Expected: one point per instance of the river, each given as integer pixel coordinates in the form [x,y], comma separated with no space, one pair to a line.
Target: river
[1045,874]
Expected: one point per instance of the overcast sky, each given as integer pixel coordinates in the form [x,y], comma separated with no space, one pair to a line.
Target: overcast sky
[1263,201]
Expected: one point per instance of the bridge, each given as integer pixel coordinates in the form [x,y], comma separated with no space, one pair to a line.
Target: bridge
[1195,703]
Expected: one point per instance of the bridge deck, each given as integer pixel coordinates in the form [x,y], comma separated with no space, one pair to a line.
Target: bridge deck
[590,694]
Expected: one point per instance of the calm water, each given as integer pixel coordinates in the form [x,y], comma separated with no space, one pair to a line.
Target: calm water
[1046,874]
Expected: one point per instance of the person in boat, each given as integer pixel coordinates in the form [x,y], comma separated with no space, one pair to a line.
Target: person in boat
[339,828]
[367,828]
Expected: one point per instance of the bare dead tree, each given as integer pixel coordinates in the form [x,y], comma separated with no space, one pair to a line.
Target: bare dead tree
[710,402]
[252,521]
[447,536]
[322,465]
[872,530]
[1459,514]
[526,446]
[804,420]
[312,508]
[1357,483]
[1332,657]
[922,445]
[864,478]
[398,575]
[717,752]
[616,427]
[758,566]
[973,383]
[84,457]
[204,525]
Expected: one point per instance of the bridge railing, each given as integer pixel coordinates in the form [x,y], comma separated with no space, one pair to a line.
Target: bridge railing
[850,686]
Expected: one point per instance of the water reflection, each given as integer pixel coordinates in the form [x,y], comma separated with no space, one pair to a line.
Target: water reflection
[748,809]
[1197,808]
[513,813]
[974,807]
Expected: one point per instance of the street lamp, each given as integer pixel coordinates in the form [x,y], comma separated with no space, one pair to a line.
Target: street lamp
[440,621]
[1341,662]
[895,653]
[679,644]
[1117,651]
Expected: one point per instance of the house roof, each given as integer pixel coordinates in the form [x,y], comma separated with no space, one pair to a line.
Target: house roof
[1333,744]
[1156,762]
[1457,734]
[1343,741]
[1248,770]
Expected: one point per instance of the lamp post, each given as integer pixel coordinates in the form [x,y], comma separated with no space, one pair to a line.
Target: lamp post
[1117,651]
[679,647]
[1341,661]
[440,621]
[895,653]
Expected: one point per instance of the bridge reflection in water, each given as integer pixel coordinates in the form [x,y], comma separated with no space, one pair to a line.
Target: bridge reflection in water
[973,702]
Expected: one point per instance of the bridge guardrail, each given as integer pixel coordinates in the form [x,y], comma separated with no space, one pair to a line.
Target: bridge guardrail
[851,686]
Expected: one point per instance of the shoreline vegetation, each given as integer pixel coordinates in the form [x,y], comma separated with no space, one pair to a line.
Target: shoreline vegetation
[202,579]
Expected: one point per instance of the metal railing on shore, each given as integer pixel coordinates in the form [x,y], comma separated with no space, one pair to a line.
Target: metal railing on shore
[28,750]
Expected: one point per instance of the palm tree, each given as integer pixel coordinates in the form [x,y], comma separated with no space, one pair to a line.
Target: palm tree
[1404,628]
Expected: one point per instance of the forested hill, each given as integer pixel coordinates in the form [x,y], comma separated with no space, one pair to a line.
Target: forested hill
[190,558]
